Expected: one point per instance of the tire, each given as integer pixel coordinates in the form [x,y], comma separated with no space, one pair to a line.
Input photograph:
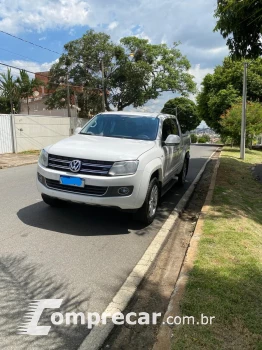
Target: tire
[183,173]
[53,202]
[147,212]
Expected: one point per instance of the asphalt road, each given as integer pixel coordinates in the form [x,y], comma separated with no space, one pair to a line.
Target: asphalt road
[78,253]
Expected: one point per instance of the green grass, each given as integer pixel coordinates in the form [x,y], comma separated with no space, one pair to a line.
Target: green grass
[226,281]
[36,152]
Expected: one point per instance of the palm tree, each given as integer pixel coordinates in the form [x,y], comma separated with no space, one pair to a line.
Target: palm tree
[8,88]
[27,86]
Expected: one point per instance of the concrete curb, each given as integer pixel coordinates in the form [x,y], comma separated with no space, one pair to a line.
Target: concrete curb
[99,333]
[173,309]
[17,165]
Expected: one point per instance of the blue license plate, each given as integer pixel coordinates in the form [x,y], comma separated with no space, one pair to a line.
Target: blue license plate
[72,181]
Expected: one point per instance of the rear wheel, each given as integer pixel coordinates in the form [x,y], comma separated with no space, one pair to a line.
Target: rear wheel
[183,173]
[53,202]
[147,212]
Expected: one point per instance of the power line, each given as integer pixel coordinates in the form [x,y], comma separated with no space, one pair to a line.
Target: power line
[29,42]
[18,54]
[45,76]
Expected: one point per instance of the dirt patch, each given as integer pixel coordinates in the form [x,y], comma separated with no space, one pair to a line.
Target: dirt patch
[10,160]
[154,293]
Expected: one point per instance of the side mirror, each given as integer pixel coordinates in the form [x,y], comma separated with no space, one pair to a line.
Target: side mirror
[172,140]
[77,131]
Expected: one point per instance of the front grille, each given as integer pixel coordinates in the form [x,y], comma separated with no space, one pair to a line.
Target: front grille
[88,167]
[87,190]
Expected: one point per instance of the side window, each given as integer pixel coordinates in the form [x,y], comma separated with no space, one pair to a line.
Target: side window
[175,130]
[167,128]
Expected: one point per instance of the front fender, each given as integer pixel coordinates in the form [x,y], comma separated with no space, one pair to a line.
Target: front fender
[151,167]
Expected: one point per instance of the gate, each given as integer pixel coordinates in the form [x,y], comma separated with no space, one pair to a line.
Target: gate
[6,143]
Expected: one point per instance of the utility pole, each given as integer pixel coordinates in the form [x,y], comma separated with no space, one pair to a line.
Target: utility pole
[244,109]
[68,105]
[103,85]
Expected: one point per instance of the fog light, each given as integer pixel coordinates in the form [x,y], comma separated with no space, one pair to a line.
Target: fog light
[41,178]
[123,191]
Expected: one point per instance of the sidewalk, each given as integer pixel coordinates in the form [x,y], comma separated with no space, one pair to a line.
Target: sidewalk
[10,160]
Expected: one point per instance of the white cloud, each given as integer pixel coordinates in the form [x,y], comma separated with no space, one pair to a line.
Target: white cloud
[113,25]
[27,65]
[37,15]
[72,32]
[199,73]
[42,38]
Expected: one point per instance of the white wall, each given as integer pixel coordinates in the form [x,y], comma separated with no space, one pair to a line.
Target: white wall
[36,132]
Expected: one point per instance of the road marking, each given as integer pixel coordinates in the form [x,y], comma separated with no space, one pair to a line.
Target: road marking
[99,333]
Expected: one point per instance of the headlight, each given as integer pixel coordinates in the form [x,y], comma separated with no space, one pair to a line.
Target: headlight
[43,158]
[124,168]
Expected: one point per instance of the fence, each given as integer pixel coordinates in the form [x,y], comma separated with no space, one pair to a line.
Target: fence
[6,134]
[20,133]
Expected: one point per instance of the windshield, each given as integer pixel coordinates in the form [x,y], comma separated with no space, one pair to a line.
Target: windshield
[123,126]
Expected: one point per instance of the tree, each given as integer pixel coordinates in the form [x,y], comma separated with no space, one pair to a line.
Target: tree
[222,88]
[27,86]
[186,110]
[4,105]
[135,71]
[241,22]
[231,121]
[9,89]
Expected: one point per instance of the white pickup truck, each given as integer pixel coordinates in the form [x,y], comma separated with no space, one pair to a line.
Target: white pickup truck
[125,160]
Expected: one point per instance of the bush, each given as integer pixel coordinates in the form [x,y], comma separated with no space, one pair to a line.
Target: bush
[204,139]
[193,138]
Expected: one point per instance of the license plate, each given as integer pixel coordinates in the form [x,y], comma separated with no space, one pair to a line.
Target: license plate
[72,181]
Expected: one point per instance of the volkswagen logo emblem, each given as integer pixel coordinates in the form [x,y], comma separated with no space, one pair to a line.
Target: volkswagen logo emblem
[75,165]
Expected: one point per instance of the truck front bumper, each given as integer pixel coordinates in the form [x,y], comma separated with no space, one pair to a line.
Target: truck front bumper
[98,190]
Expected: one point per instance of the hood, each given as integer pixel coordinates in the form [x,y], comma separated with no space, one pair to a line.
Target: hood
[100,148]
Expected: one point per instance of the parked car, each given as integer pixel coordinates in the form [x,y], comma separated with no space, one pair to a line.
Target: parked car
[125,160]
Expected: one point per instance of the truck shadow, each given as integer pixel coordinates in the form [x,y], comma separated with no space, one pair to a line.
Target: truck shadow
[84,220]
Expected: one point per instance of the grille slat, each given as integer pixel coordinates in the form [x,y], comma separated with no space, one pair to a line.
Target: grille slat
[88,167]
[59,166]
[87,190]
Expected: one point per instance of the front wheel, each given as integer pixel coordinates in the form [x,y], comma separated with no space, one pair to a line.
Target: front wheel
[147,212]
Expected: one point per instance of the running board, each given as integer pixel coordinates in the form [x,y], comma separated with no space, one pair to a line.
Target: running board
[168,186]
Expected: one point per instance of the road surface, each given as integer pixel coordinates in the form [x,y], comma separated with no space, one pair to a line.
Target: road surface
[79,254]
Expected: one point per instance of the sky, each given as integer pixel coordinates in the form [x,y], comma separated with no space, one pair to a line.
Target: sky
[53,23]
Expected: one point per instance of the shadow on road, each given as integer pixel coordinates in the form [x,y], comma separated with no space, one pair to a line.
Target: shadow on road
[20,283]
[83,220]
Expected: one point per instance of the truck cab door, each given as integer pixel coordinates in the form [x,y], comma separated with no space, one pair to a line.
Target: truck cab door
[177,160]
[168,151]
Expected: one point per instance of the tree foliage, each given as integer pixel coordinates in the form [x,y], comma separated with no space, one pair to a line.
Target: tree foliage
[9,89]
[27,86]
[222,88]
[240,21]
[231,121]
[135,71]
[186,111]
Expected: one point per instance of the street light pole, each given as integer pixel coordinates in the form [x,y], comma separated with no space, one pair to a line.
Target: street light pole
[244,109]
